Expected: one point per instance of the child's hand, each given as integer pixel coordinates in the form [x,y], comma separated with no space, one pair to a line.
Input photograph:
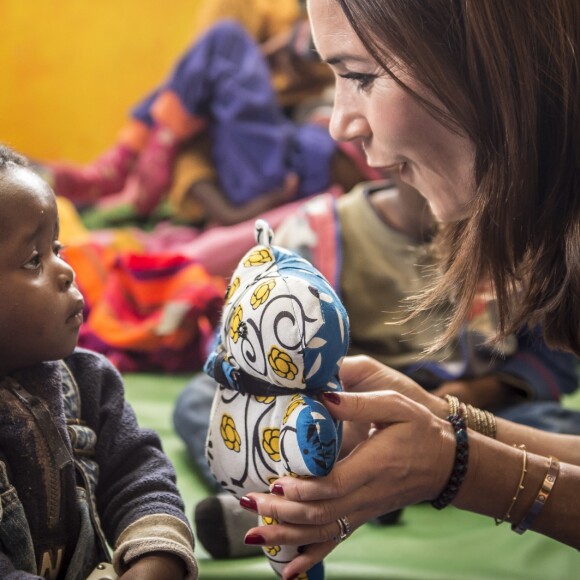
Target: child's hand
[157,566]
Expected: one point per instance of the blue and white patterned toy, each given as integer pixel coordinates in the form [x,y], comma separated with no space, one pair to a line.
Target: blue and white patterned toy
[282,338]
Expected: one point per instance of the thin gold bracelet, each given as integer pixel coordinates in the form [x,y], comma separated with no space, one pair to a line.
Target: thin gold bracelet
[519,488]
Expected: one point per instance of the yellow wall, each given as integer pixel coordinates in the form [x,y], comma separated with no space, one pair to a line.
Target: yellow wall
[71,69]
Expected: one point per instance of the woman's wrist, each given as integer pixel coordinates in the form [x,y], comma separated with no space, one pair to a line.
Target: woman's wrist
[493,473]
[439,407]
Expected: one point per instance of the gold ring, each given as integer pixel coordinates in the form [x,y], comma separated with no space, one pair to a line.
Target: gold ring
[344,530]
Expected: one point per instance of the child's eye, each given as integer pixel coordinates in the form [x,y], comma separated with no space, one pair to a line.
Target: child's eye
[364,81]
[34,262]
[57,248]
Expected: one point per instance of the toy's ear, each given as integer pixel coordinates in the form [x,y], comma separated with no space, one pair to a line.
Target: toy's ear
[283,327]
[263,232]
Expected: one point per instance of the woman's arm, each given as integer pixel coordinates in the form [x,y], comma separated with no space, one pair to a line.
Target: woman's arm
[407,458]
[221,211]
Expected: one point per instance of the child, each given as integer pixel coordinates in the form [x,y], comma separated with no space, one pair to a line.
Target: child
[76,471]
[221,88]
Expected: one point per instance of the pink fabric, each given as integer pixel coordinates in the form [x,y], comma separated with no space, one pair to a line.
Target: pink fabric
[220,248]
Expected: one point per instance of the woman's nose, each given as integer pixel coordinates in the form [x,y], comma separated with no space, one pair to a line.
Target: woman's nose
[347,121]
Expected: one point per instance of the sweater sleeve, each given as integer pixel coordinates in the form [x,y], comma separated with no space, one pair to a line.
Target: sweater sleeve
[543,374]
[155,533]
[138,502]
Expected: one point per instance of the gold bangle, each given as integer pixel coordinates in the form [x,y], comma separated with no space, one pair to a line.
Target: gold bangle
[481,421]
[453,404]
[475,418]
[519,488]
[492,424]
[464,412]
[541,498]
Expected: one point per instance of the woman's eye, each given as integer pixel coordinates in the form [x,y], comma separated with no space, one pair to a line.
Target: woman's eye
[34,262]
[362,80]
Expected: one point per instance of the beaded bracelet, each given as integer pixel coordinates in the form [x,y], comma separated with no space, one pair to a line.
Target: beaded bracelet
[519,488]
[541,498]
[459,466]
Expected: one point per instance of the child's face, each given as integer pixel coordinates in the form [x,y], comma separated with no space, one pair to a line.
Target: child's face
[40,305]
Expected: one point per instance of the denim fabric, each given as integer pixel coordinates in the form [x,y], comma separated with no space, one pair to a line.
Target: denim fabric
[84,440]
[545,415]
[15,539]
[85,556]
[15,536]
[191,421]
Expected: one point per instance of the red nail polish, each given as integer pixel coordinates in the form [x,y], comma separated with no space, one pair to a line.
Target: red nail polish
[254,540]
[331,397]
[249,503]
[277,489]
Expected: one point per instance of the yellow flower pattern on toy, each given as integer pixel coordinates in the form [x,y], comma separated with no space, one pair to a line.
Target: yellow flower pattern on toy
[235,323]
[295,402]
[282,364]
[259,257]
[230,434]
[232,288]
[268,521]
[262,293]
[264,400]
[271,443]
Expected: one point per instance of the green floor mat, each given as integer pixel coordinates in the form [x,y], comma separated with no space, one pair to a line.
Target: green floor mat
[425,545]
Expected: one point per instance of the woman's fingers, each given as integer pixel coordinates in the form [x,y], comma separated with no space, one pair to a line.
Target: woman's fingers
[312,555]
[363,374]
[317,541]
[297,535]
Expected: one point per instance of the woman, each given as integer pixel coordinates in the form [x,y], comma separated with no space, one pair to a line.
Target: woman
[476,103]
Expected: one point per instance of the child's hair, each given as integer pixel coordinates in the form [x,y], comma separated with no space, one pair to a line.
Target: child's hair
[8,155]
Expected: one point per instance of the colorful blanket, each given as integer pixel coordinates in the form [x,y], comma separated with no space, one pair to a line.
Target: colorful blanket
[146,310]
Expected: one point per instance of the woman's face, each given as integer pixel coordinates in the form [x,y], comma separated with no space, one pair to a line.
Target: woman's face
[393,127]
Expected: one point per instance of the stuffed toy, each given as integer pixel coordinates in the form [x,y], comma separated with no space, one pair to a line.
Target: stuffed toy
[282,337]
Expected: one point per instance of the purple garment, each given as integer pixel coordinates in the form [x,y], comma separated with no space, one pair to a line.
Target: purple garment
[224,78]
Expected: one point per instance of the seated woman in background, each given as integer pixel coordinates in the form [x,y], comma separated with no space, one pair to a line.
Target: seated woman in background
[248,156]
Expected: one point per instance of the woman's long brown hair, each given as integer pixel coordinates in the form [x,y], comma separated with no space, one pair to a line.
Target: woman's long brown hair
[506,74]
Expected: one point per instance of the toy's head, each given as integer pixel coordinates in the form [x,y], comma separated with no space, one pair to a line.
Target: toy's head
[284,330]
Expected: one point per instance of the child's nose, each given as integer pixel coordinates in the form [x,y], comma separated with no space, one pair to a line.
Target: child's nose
[66,277]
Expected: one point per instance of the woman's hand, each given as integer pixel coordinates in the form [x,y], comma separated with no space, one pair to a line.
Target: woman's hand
[406,458]
[364,374]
